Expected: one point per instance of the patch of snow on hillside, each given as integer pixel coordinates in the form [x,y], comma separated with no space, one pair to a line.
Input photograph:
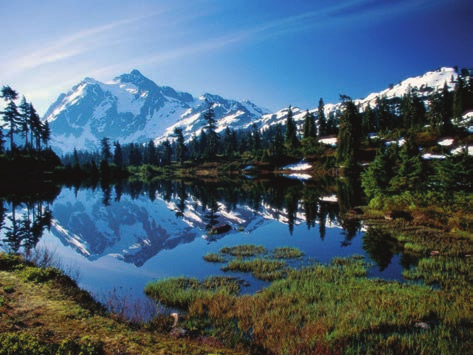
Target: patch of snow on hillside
[461,149]
[332,198]
[446,142]
[126,97]
[329,141]
[401,142]
[298,167]
[429,156]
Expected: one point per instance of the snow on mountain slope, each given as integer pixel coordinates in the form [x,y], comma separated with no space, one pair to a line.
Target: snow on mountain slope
[132,108]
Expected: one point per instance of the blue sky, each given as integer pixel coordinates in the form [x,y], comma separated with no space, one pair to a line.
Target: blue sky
[273,52]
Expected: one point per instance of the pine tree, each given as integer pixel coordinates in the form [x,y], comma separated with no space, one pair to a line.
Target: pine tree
[458,94]
[24,117]
[105,149]
[349,136]
[117,154]
[151,154]
[310,128]
[368,124]
[435,112]
[290,138]
[410,174]
[375,180]
[134,157]
[45,134]
[167,153]
[35,125]
[181,148]
[277,142]
[322,119]
[385,116]
[413,111]
[212,136]
[254,139]
[10,114]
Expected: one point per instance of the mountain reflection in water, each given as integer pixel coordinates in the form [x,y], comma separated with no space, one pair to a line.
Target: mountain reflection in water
[129,233]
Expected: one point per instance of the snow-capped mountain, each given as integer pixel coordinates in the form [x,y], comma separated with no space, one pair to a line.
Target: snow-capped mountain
[424,85]
[132,108]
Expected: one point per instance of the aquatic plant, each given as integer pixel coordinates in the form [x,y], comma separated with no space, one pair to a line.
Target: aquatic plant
[245,250]
[335,308]
[286,253]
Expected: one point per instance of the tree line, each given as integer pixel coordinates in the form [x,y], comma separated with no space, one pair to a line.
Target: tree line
[23,122]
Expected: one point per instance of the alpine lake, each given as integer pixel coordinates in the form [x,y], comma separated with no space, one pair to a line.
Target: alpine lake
[116,238]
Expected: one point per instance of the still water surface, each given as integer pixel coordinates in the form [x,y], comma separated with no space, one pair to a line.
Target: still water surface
[123,236]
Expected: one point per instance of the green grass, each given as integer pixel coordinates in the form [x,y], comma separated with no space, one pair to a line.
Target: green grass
[335,308]
[214,258]
[287,253]
[48,314]
[245,250]
[263,269]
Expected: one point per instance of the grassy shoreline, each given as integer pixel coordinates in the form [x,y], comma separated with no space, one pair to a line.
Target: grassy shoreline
[317,308]
[42,311]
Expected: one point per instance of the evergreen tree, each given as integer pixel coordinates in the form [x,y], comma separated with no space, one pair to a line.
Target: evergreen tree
[413,111]
[151,154]
[105,149]
[385,116]
[212,136]
[24,119]
[322,119]
[454,173]
[194,148]
[368,124]
[254,139]
[410,174]
[117,154]
[277,142]
[458,94]
[310,128]
[135,157]
[290,138]
[45,133]
[2,140]
[230,142]
[203,141]
[181,148]
[349,136]
[10,114]
[447,112]
[35,125]
[375,180]
[167,153]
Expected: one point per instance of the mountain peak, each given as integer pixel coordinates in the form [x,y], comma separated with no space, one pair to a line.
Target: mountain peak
[135,77]
[136,72]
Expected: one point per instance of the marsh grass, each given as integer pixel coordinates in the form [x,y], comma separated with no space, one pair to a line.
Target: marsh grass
[334,308]
[214,258]
[245,250]
[286,253]
[263,269]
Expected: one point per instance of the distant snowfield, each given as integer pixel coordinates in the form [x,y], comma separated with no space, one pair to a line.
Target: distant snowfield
[329,141]
[446,142]
[301,166]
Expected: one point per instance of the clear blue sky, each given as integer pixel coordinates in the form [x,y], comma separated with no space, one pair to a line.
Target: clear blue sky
[272,52]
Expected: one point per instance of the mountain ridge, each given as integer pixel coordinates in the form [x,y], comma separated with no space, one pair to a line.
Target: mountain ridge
[134,109]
